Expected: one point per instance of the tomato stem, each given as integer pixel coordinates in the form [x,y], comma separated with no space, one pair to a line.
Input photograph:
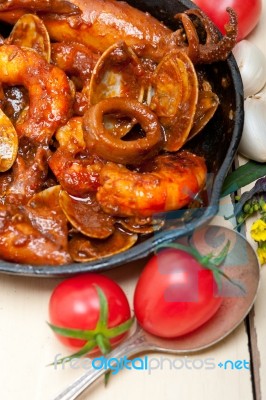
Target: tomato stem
[82,352]
[103,343]
[100,336]
[119,329]
[103,317]
[204,260]
[209,261]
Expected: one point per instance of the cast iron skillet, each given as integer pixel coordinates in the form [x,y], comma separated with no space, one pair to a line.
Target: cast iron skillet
[218,143]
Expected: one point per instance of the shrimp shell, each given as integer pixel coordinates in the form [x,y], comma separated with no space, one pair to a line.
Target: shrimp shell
[170,182]
[49,91]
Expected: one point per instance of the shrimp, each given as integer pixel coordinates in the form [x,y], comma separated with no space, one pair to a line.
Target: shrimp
[50,95]
[170,182]
[78,175]
[75,168]
[75,59]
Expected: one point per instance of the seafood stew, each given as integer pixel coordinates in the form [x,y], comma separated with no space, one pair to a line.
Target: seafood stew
[92,165]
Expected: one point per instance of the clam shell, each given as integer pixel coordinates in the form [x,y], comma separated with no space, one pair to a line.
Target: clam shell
[30,31]
[83,249]
[8,143]
[117,74]
[175,97]
[86,216]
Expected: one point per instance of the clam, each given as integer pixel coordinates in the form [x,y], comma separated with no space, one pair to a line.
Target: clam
[30,31]
[174,97]
[46,198]
[45,214]
[86,216]
[117,73]
[143,226]
[83,249]
[207,104]
[8,143]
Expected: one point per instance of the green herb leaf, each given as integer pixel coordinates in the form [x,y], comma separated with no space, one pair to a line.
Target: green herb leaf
[243,176]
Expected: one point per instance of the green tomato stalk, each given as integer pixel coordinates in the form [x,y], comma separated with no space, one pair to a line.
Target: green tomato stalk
[208,261]
[98,337]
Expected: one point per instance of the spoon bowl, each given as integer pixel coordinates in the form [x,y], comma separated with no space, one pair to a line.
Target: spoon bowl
[241,266]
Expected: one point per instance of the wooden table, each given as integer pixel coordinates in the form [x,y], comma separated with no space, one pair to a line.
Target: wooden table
[27,344]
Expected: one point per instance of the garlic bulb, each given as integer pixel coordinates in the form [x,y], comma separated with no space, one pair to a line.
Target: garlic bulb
[253,141]
[252,66]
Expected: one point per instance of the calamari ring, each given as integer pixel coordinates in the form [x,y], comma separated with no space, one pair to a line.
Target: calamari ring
[49,91]
[100,141]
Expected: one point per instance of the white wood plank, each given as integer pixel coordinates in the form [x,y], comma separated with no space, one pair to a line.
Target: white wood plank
[27,346]
[258,315]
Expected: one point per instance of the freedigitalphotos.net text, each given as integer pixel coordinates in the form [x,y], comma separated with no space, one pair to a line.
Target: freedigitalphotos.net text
[149,364]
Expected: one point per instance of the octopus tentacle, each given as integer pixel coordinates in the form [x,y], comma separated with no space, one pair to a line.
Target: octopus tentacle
[187,38]
[192,48]
[220,51]
[212,34]
[65,20]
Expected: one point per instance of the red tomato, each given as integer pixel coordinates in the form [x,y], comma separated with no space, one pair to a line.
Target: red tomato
[175,294]
[75,303]
[248,12]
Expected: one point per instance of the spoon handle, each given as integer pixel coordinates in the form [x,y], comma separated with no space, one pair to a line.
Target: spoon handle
[133,345]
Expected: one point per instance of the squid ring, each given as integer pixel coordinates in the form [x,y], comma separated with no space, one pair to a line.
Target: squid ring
[101,141]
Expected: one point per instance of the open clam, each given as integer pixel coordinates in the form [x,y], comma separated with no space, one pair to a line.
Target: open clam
[8,143]
[30,31]
[45,214]
[35,231]
[208,102]
[142,226]
[83,249]
[86,216]
[46,198]
[117,74]
[175,87]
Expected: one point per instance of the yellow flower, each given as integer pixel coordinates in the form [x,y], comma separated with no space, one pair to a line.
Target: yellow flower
[258,231]
[261,254]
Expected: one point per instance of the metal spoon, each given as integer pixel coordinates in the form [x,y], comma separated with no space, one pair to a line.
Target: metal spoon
[241,265]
